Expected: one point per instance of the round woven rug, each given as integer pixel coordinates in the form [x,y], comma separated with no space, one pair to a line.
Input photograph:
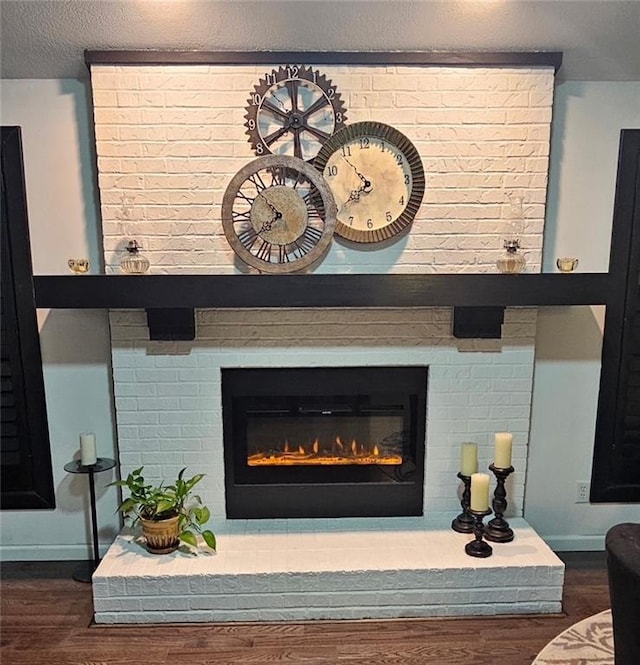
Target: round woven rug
[588,642]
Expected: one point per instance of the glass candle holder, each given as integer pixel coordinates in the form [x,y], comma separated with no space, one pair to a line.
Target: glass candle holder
[133,262]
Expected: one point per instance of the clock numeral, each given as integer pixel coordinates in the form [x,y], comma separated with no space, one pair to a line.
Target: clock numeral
[308,240]
[407,179]
[350,220]
[264,251]
[241,216]
[369,223]
[257,182]
[331,93]
[339,118]
[388,216]
[293,71]
[256,99]
[243,197]
[283,255]
[332,170]
[259,149]
[248,237]
[401,200]
[364,143]
[399,160]
[270,79]
[278,176]
[315,209]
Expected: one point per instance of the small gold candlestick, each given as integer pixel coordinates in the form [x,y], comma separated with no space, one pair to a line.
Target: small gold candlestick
[78,266]
[566,264]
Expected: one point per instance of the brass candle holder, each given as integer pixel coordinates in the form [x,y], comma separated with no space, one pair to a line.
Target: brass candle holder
[478,547]
[498,529]
[464,522]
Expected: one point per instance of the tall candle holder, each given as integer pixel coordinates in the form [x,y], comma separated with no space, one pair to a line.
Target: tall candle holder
[478,547]
[498,529]
[464,522]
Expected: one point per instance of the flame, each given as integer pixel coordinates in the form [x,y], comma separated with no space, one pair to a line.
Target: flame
[318,454]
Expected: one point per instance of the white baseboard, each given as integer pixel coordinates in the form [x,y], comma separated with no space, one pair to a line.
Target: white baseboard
[75,552]
[575,543]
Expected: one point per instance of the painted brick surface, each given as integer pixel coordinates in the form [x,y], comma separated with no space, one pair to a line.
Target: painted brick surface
[168,395]
[281,570]
[169,139]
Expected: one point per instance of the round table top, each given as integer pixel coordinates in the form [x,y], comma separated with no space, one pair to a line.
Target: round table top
[102,464]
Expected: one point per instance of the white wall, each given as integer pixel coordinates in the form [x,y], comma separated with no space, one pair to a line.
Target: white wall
[587,121]
[55,118]
[588,117]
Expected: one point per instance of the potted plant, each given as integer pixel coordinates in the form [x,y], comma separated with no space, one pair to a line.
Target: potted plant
[168,513]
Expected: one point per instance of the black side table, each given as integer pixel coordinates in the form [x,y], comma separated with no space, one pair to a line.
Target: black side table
[84,571]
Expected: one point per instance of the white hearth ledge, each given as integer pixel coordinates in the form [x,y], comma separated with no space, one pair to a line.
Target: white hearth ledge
[356,568]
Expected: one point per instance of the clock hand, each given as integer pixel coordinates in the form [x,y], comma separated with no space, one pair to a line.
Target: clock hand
[266,226]
[367,185]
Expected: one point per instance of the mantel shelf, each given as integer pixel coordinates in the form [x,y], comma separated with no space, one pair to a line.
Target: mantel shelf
[355,290]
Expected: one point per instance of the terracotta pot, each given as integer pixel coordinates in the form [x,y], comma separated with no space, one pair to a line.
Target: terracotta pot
[161,535]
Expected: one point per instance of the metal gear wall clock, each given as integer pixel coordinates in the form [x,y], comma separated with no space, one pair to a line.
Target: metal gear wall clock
[293,110]
[278,214]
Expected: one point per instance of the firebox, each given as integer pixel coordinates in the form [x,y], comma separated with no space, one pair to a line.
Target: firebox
[324,441]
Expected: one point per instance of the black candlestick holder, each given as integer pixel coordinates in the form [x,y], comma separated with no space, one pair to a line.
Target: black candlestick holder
[498,529]
[478,547]
[464,522]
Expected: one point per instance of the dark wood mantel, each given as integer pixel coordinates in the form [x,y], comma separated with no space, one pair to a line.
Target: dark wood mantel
[355,290]
[170,300]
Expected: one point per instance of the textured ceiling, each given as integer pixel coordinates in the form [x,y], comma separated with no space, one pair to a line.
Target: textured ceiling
[46,38]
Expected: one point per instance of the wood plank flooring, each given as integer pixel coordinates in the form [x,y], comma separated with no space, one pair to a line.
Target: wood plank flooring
[46,620]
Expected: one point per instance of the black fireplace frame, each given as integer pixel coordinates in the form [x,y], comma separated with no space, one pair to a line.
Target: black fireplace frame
[335,491]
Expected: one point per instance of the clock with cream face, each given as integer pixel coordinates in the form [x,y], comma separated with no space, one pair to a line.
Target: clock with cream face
[377,180]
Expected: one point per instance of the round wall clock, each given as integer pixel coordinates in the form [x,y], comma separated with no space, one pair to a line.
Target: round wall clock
[377,179]
[278,214]
[292,111]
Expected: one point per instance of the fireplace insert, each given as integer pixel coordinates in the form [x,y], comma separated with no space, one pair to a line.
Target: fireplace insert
[324,441]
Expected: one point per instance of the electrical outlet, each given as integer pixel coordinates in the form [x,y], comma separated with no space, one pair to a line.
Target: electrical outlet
[582,492]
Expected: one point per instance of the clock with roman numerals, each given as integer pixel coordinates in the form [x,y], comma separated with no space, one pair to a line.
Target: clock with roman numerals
[278,214]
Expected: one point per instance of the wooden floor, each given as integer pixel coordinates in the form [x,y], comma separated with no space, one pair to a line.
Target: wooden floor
[46,620]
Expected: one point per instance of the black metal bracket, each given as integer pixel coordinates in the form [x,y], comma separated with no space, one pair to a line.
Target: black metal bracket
[478,322]
[171,323]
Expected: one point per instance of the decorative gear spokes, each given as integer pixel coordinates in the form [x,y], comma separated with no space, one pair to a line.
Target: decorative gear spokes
[293,111]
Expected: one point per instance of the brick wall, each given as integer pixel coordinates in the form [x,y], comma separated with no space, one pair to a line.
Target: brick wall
[170,138]
[168,141]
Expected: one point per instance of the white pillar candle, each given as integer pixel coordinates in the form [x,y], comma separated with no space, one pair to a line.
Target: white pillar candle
[502,453]
[469,463]
[479,492]
[88,449]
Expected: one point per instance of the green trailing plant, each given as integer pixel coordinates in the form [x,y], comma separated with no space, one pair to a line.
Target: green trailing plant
[158,502]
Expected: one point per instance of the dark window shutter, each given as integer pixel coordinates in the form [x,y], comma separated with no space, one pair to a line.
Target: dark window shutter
[25,457]
[616,463]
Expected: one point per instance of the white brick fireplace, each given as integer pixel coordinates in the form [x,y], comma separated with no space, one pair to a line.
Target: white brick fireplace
[169,138]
